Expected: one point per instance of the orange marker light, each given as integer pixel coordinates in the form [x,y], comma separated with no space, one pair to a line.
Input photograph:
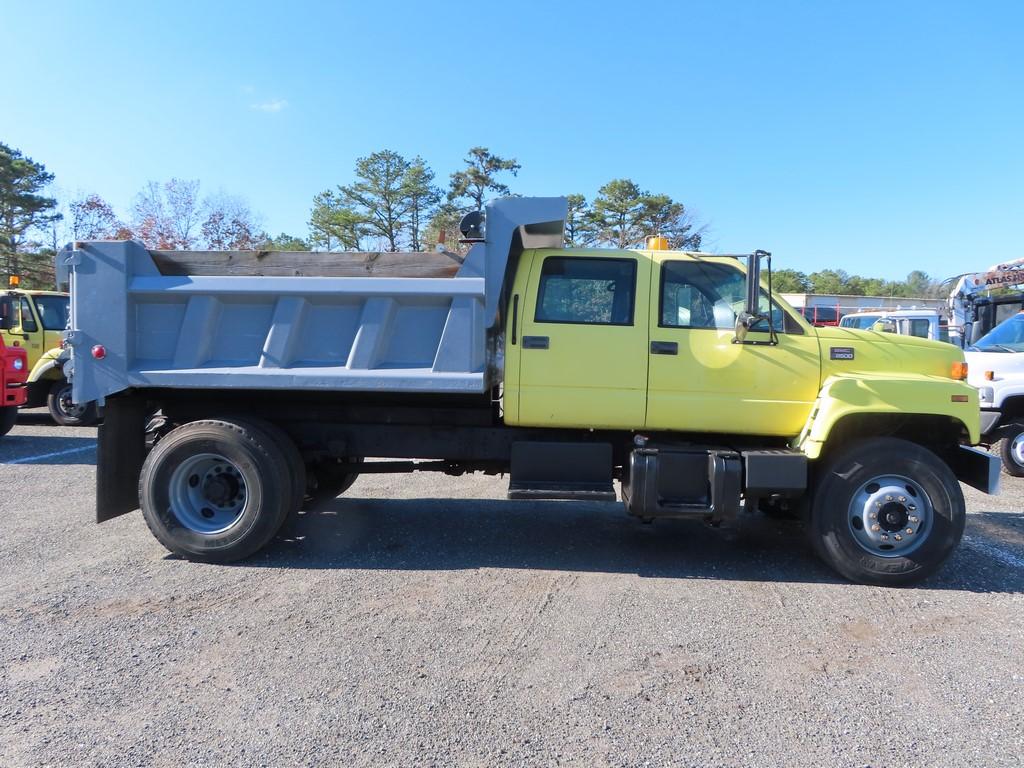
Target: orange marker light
[990,375]
[959,371]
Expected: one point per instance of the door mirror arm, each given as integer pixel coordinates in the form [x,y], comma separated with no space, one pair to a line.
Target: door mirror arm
[751,314]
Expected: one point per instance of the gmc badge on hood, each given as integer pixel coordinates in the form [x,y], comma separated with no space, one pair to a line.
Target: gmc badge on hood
[841,353]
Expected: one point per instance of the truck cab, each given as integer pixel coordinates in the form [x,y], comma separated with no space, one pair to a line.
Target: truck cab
[38,323]
[996,368]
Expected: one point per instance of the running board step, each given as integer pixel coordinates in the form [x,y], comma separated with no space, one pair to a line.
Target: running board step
[561,492]
[577,471]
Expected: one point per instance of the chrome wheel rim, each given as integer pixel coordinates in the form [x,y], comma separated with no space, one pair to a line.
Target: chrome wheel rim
[1017,449]
[890,516]
[207,493]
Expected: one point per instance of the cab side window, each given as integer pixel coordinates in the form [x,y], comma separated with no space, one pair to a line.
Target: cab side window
[28,320]
[586,291]
[919,328]
[696,294]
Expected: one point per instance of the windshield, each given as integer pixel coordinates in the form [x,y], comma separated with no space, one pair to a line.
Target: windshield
[53,311]
[859,321]
[1008,336]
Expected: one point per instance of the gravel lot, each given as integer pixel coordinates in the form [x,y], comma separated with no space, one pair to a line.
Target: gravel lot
[401,627]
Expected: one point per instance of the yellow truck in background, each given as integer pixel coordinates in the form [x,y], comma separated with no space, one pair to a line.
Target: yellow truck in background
[39,321]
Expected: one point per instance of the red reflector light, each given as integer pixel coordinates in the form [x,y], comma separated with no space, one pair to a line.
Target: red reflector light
[99,352]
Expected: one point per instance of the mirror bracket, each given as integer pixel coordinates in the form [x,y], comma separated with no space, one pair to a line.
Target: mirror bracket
[751,315]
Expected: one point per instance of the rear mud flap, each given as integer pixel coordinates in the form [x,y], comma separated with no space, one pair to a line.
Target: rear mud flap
[120,452]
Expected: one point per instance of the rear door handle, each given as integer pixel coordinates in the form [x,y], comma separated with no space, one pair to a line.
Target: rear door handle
[535,342]
[664,348]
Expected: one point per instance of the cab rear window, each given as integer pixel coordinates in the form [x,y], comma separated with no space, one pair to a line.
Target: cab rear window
[586,291]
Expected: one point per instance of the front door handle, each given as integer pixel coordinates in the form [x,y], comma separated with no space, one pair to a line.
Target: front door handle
[664,348]
[535,342]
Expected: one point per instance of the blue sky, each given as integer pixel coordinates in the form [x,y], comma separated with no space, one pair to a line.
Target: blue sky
[876,137]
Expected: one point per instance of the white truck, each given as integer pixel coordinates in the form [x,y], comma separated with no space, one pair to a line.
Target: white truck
[995,366]
[923,323]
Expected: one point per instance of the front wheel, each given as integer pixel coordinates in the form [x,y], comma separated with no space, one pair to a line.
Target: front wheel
[886,512]
[8,417]
[1011,448]
[65,411]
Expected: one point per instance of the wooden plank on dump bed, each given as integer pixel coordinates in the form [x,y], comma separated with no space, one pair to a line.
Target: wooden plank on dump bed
[308,263]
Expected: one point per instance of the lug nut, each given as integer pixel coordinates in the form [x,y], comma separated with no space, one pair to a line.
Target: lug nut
[914,519]
[911,507]
[902,499]
[873,515]
[898,537]
[876,527]
[888,498]
[885,537]
[910,531]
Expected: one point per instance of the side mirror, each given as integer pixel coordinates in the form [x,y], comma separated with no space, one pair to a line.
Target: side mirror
[6,313]
[885,325]
[746,319]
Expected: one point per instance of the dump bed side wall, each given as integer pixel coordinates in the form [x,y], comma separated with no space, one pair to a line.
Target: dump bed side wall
[269,332]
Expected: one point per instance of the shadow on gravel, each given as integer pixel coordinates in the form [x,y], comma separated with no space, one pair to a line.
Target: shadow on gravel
[447,534]
[46,449]
[36,419]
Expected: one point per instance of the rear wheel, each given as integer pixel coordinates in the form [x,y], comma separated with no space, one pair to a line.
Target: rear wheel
[216,491]
[1011,448]
[8,417]
[886,512]
[296,464]
[66,412]
[332,478]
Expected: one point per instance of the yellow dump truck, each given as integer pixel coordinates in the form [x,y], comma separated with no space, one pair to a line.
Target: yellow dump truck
[677,374]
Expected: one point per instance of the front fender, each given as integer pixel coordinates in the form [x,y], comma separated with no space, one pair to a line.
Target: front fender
[906,394]
[47,367]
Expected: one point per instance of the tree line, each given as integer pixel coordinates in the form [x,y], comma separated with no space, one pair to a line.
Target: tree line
[917,285]
[393,203]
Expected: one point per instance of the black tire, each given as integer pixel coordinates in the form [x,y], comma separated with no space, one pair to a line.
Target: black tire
[296,464]
[1011,463]
[263,474]
[847,478]
[64,412]
[8,418]
[331,479]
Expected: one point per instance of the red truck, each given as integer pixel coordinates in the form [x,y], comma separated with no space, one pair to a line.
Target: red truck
[13,373]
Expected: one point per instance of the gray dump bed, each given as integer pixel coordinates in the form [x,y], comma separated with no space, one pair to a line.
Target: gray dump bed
[325,321]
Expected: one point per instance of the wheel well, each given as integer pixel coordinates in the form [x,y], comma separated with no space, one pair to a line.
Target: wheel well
[1013,407]
[939,434]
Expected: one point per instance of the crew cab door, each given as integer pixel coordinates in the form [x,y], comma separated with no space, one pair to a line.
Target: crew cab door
[576,351]
[699,380]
